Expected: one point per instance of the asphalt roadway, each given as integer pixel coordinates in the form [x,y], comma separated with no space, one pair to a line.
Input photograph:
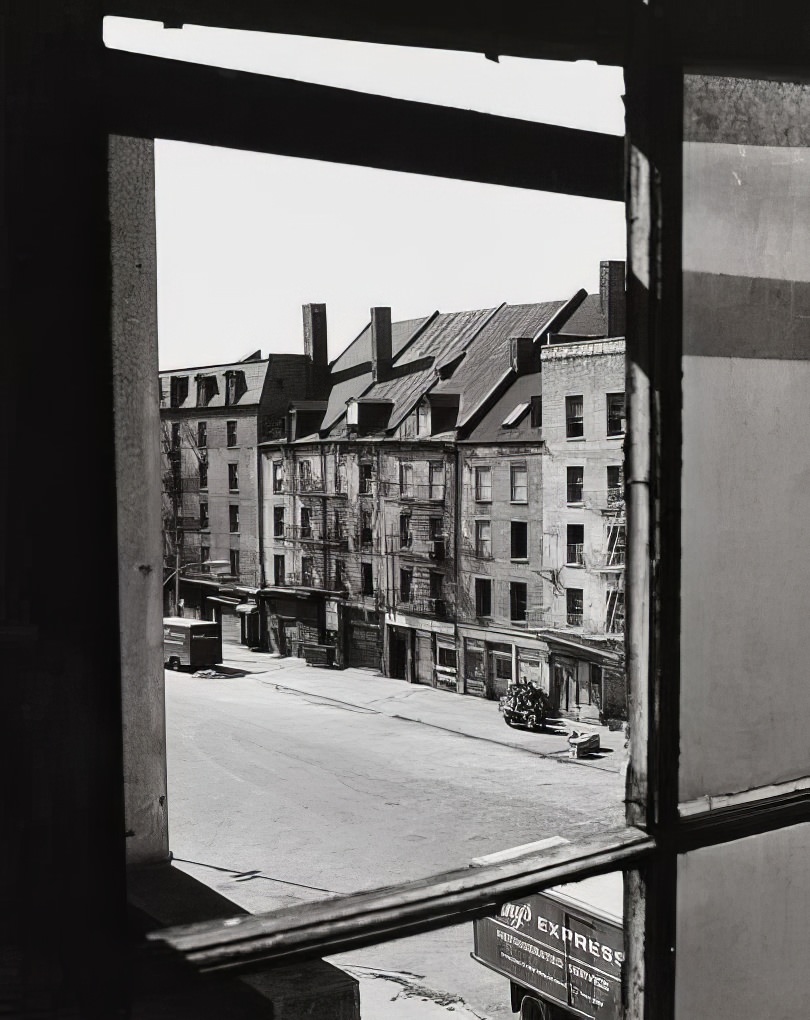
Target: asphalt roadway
[288,784]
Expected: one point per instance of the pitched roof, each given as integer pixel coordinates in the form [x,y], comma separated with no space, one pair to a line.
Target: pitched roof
[588,320]
[490,428]
[340,393]
[359,350]
[487,358]
[447,334]
[255,374]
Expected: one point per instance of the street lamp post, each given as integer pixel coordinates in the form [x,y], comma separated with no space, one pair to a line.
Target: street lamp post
[188,566]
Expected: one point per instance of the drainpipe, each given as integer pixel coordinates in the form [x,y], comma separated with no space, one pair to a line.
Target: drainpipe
[457,494]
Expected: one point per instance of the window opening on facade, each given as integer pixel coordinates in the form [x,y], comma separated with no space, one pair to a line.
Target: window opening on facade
[518,601]
[233,477]
[575,477]
[575,545]
[483,539]
[520,540]
[230,427]
[615,414]
[202,434]
[233,517]
[483,484]
[574,604]
[574,421]
[483,596]
[519,483]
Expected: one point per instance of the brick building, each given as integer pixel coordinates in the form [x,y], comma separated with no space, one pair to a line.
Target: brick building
[411,520]
[583,540]
[212,419]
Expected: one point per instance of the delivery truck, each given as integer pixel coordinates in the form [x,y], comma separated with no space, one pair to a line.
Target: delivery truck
[191,644]
[562,950]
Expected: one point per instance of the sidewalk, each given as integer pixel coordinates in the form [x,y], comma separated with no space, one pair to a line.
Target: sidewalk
[466,716]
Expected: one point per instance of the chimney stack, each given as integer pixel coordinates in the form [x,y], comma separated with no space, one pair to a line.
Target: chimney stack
[611,296]
[315,334]
[381,351]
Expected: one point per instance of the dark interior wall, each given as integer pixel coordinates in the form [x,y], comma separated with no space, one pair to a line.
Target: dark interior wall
[62,889]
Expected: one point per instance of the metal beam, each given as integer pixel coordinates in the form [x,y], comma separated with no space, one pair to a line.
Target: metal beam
[153,97]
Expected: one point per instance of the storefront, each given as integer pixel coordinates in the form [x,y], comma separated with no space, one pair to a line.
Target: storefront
[587,682]
[420,650]
[363,638]
[489,666]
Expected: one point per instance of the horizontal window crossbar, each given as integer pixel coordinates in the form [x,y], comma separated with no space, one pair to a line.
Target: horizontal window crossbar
[154,97]
[348,922]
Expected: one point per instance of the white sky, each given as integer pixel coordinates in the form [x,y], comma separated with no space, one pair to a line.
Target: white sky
[244,239]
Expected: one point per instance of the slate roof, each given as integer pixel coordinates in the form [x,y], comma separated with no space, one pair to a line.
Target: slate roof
[588,320]
[490,428]
[340,393]
[359,350]
[446,335]
[487,358]
[255,375]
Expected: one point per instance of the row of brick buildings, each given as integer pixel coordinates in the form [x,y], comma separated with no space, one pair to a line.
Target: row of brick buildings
[444,501]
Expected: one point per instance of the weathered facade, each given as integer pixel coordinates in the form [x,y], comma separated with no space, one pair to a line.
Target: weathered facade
[404,517]
[212,419]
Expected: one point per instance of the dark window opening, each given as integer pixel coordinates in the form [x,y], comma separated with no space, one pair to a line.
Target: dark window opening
[207,389]
[203,468]
[366,478]
[405,584]
[366,579]
[278,522]
[278,570]
[574,601]
[306,571]
[235,386]
[202,434]
[483,596]
[204,522]
[233,477]
[615,414]
[230,427]
[233,517]
[405,536]
[520,540]
[235,562]
[178,390]
[536,412]
[306,522]
[517,601]
[575,545]
[575,478]
[615,483]
[574,421]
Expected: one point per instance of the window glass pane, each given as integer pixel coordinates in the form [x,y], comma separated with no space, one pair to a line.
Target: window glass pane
[746,374]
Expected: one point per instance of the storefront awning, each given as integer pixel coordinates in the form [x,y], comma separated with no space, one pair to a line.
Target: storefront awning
[247,607]
[233,603]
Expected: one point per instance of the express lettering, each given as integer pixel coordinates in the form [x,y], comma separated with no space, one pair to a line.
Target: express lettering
[517,914]
[563,934]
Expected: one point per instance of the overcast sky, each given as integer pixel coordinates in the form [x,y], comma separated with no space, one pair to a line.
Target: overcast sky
[244,239]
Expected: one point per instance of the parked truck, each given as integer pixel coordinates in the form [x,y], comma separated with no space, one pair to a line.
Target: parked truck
[191,644]
[562,950]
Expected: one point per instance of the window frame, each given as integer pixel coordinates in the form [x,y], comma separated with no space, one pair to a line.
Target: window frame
[514,588]
[479,472]
[574,423]
[514,490]
[481,541]
[524,556]
[231,433]
[615,433]
[233,476]
[233,518]
[481,585]
[653,880]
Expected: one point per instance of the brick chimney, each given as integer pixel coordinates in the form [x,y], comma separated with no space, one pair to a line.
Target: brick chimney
[611,296]
[315,334]
[315,348]
[381,351]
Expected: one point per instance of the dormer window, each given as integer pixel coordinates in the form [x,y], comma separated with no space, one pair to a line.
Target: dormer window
[235,386]
[178,390]
[207,389]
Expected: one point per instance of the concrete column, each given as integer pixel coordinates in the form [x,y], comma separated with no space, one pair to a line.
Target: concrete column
[137,450]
